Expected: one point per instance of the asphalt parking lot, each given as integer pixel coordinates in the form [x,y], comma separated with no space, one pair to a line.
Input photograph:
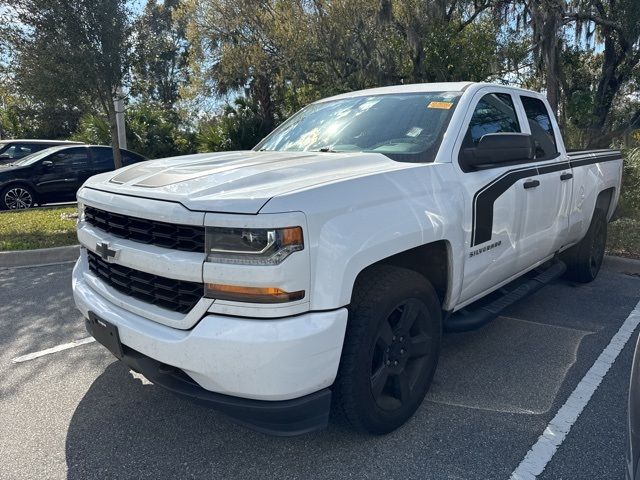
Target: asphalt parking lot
[80,414]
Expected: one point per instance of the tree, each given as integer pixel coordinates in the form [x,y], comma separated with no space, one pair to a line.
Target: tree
[238,127]
[152,130]
[284,53]
[73,51]
[160,53]
[584,85]
[445,39]
[618,24]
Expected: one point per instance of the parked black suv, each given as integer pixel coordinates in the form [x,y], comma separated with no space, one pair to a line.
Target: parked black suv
[12,150]
[55,174]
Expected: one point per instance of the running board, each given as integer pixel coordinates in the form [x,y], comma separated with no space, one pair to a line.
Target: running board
[470,318]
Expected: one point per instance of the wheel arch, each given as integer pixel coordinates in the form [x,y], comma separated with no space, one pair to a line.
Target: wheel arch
[431,260]
[606,202]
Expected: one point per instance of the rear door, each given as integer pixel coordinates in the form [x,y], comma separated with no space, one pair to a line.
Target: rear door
[547,200]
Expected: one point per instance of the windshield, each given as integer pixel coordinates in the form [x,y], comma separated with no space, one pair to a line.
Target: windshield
[405,127]
[34,157]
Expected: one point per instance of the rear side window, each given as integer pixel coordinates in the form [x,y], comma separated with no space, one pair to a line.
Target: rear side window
[129,158]
[541,127]
[494,113]
[102,159]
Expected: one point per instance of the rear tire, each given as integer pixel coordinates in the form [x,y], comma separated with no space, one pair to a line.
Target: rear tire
[17,197]
[390,351]
[585,259]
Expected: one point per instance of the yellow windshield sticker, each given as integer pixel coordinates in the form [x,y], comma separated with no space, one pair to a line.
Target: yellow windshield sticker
[442,105]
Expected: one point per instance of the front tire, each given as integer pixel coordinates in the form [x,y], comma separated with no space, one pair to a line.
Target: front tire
[17,197]
[585,259]
[390,350]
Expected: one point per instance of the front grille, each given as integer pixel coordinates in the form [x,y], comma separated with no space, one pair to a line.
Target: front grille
[177,295]
[187,238]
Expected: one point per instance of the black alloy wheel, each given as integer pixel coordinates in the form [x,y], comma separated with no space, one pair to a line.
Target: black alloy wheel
[390,349]
[400,353]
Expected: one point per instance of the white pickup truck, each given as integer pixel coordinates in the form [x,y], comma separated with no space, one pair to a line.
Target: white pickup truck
[318,270]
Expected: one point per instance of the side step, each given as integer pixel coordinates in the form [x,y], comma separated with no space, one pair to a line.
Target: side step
[480,313]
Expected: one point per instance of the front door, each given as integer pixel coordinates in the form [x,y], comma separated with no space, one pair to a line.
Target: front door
[495,199]
[57,177]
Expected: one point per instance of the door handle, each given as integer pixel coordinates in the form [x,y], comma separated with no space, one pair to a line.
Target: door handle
[531,184]
[566,176]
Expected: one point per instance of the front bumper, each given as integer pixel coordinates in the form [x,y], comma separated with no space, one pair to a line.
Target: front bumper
[284,417]
[270,360]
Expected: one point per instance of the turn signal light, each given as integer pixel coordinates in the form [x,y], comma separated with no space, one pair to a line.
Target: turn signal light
[250,294]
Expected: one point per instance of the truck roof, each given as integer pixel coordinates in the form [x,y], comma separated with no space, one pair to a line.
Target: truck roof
[421,87]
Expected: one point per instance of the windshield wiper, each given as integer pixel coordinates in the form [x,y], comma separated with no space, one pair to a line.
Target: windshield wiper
[327,149]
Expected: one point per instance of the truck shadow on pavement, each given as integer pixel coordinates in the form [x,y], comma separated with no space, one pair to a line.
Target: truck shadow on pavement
[127,428]
[124,428]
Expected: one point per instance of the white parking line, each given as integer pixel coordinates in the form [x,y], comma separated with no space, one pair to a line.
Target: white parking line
[558,428]
[59,348]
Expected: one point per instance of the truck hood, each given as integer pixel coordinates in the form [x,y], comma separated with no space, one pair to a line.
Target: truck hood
[237,182]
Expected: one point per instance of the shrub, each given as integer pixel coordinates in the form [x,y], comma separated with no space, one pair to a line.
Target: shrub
[629,204]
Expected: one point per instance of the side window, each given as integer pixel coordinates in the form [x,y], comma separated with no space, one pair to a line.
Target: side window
[70,159]
[129,158]
[15,152]
[10,152]
[23,151]
[541,127]
[102,159]
[494,113]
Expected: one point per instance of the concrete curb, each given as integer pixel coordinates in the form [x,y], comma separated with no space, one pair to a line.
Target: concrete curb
[42,256]
[623,264]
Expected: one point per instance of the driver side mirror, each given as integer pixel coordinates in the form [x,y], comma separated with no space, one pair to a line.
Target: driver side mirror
[497,148]
[48,164]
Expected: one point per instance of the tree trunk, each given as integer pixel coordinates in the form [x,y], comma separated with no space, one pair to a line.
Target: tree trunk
[262,94]
[113,128]
[608,87]
[546,17]
[551,47]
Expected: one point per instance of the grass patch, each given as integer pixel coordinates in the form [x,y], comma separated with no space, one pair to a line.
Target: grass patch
[624,233]
[38,228]
[624,237]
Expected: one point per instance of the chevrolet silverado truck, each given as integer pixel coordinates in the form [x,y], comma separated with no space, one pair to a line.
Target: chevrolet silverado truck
[316,272]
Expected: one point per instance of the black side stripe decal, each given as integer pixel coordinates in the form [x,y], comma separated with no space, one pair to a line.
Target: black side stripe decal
[483,203]
[581,153]
[484,199]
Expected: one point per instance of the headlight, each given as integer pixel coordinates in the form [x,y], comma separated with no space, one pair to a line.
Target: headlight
[252,246]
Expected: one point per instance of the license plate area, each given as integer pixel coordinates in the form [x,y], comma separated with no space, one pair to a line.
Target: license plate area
[105,333]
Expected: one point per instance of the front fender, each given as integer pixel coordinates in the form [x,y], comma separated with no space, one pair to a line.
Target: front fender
[355,224]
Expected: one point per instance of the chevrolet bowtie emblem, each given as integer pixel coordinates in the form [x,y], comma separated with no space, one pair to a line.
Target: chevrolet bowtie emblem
[105,252]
